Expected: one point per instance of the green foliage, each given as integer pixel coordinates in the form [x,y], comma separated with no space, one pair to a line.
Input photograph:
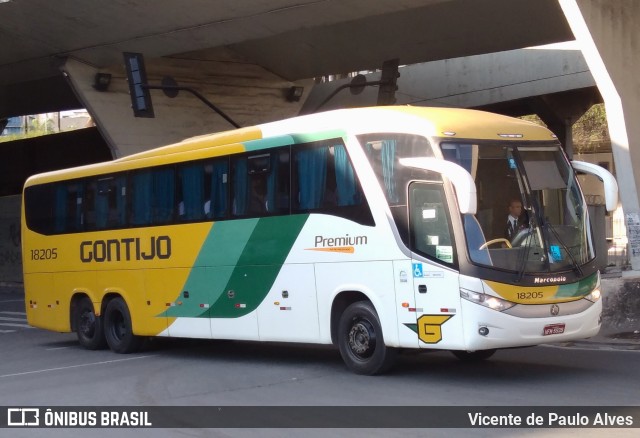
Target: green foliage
[590,132]
[592,126]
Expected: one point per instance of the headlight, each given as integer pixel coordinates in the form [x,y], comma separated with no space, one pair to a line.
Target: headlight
[485,300]
[594,295]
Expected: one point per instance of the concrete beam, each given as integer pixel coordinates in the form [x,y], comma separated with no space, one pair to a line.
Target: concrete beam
[472,81]
[246,92]
[554,84]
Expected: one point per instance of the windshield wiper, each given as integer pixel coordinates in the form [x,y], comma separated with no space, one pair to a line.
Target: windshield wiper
[524,256]
[550,227]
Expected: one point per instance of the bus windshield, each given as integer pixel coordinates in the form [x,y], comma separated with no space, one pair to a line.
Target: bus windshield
[531,215]
[534,182]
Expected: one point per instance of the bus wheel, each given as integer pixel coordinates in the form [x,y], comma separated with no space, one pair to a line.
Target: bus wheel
[473,356]
[117,328]
[360,340]
[88,326]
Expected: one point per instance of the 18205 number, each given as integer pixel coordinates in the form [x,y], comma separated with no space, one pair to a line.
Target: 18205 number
[44,254]
[530,295]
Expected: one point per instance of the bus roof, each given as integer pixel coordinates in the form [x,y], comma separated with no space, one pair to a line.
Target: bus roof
[454,123]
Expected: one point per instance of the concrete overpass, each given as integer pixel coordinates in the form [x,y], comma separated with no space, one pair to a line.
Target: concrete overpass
[245,55]
[555,84]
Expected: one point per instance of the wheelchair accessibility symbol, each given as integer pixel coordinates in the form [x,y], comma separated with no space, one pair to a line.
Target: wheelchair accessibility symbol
[417,270]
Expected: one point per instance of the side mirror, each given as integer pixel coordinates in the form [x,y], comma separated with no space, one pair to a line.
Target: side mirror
[610,184]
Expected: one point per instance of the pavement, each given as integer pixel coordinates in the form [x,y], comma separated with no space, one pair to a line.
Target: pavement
[620,313]
[620,316]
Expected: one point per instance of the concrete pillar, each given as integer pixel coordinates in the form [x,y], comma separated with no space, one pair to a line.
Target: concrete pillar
[609,35]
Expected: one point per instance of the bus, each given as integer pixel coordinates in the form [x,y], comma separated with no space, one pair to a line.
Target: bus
[372,229]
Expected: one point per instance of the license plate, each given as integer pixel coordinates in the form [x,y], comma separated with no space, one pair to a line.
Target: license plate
[553,329]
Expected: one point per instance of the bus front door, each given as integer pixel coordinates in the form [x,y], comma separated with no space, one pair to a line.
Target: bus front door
[435,282]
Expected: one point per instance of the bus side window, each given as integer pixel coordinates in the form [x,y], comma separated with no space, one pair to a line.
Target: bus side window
[310,177]
[261,183]
[152,196]
[324,178]
[109,202]
[91,201]
[382,156]
[141,193]
[216,206]
[191,179]
[250,185]
[74,199]
[324,181]
[278,182]
[40,205]
[347,190]
[60,208]
[163,195]
[240,186]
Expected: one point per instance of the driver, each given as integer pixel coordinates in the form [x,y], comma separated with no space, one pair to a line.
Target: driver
[516,220]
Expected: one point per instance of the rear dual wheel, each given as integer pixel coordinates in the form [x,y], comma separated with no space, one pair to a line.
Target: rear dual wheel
[118,328]
[89,327]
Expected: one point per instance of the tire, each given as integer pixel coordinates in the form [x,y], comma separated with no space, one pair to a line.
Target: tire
[361,342]
[118,329]
[89,327]
[473,356]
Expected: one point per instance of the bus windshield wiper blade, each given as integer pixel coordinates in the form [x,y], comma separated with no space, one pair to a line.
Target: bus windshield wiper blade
[575,263]
[525,257]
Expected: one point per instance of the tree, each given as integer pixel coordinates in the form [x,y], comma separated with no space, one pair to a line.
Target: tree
[591,132]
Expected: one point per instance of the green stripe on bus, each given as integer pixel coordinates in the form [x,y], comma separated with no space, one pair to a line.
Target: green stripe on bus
[236,267]
[213,267]
[285,140]
[578,289]
[258,266]
[318,136]
[267,143]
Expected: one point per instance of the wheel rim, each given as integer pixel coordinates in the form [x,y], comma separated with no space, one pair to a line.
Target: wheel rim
[118,326]
[362,339]
[87,323]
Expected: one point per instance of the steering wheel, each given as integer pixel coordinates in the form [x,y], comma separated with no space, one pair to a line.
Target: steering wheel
[491,242]
[521,237]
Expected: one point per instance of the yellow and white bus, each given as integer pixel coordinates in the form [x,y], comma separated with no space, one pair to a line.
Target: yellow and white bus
[375,229]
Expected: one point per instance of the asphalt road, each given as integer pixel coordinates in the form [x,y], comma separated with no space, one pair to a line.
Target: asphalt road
[40,368]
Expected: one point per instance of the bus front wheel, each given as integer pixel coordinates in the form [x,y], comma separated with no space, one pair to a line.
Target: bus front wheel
[89,327]
[118,328]
[360,340]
